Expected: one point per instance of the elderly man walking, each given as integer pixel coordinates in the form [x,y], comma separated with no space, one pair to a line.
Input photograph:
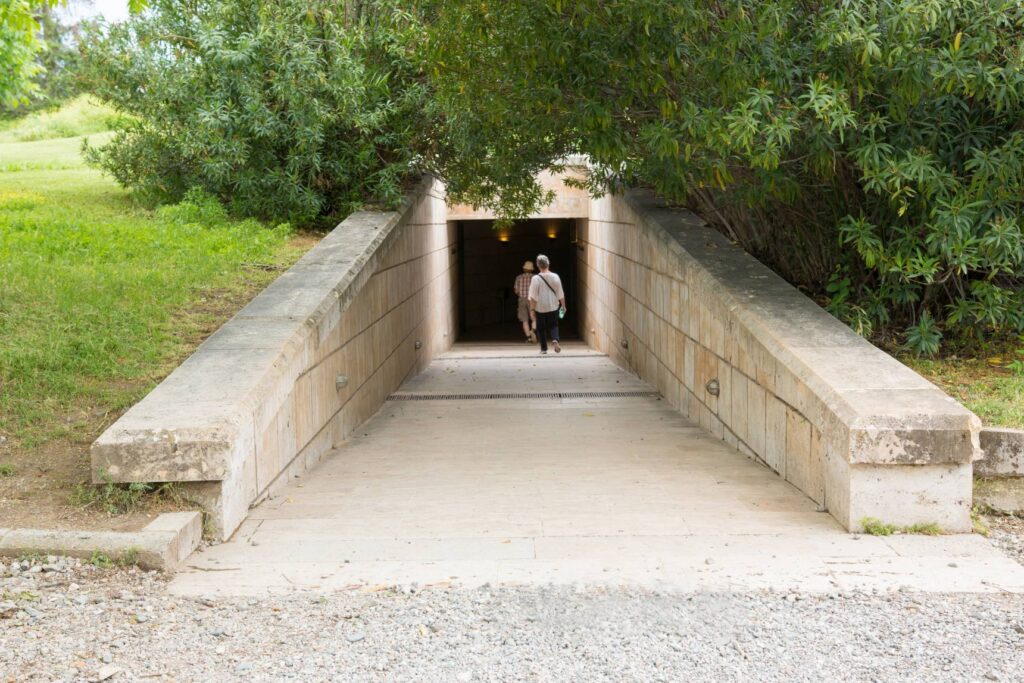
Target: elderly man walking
[547,300]
[522,289]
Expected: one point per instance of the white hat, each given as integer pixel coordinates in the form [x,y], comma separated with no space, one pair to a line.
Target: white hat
[528,266]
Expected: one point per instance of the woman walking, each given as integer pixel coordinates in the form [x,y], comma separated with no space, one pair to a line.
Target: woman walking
[547,300]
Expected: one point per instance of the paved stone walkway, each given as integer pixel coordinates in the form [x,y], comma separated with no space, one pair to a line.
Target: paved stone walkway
[598,491]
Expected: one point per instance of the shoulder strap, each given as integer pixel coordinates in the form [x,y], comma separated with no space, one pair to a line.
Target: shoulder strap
[548,284]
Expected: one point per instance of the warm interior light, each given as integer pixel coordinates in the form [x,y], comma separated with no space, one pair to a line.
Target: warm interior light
[552,234]
[503,237]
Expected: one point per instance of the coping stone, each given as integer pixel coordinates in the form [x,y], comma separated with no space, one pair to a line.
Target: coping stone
[162,544]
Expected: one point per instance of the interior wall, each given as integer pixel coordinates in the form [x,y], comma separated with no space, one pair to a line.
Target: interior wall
[491,258]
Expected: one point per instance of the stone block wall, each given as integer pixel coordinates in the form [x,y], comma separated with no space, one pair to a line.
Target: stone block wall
[1003,450]
[749,358]
[304,363]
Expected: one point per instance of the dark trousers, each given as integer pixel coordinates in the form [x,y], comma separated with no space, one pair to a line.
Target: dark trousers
[547,328]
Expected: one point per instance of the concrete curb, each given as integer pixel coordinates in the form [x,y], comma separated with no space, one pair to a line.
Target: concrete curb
[1003,453]
[162,544]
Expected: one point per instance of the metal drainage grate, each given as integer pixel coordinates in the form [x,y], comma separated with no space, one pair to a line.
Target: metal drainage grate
[528,395]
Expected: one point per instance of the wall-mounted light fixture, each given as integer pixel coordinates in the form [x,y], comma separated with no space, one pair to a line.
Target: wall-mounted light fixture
[340,382]
[713,387]
[552,231]
[418,344]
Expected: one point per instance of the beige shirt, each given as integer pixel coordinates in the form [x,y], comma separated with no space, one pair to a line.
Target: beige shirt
[546,299]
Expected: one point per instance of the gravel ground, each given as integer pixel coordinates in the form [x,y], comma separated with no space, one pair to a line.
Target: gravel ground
[1007,533]
[62,620]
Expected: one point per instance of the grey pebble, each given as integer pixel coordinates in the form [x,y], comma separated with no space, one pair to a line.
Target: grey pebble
[552,632]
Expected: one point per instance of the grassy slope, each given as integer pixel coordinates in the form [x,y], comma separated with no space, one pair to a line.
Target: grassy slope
[81,116]
[100,298]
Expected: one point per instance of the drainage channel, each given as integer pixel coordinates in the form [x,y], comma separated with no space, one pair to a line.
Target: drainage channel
[529,395]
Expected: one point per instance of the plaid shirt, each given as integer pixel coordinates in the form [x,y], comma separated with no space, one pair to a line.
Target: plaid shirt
[522,285]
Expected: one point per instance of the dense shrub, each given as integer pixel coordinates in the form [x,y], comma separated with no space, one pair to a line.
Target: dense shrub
[871,150]
[283,110]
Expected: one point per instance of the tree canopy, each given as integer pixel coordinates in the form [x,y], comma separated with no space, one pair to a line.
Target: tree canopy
[284,110]
[19,44]
[871,151]
[873,145]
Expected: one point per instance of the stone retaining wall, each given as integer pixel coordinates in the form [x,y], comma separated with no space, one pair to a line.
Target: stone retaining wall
[749,358]
[1003,451]
[310,358]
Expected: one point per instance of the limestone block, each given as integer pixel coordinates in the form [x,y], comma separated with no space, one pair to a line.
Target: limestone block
[678,354]
[717,427]
[786,384]
[717,332]
[774,453]
[756,418]
[665,379]
[276,445]
[798,450]
[836,472]
[177,452]
[303,413]
[915,426]
[704,417]
[693,406]
[739,404]
[707,370]
[674,316]
[744,359]
[227,501]
[685,322]
[1003,453]
[668,353]
[327,399]
[766,372]
[904,495]
[816,468]
[689,364]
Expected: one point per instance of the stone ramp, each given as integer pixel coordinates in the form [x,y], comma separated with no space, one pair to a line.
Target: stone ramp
[612,489]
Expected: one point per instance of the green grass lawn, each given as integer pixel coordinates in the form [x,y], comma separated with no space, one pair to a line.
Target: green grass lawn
[993,392]
[100,298]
